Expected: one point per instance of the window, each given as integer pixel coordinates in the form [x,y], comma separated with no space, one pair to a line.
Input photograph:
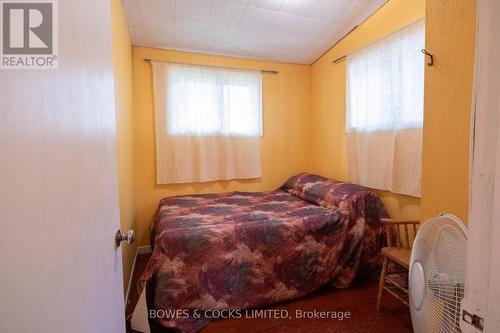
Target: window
[385,94]
[208,123]
[212,101]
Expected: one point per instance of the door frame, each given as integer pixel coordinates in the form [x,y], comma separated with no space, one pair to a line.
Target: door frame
[482,290]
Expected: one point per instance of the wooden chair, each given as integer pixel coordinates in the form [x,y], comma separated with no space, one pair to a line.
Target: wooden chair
[396,259]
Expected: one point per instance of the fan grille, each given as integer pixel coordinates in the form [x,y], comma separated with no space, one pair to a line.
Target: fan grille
[440,249]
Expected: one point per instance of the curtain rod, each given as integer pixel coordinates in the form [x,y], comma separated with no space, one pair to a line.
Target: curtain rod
[263,71]
[339,59]
[424,51]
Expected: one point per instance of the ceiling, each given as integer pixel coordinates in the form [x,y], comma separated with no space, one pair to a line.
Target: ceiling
[295,31]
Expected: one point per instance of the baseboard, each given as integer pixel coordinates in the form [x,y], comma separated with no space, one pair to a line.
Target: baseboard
[139,250]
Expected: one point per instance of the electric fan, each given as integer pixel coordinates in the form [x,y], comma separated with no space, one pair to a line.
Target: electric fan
[437,272]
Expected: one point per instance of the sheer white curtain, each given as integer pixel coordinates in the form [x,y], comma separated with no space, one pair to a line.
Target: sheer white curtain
[208,123]
[385,95]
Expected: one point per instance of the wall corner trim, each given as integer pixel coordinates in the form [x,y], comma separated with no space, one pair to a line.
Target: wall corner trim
[139,250]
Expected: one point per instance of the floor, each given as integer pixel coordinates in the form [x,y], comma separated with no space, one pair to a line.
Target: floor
[359,300]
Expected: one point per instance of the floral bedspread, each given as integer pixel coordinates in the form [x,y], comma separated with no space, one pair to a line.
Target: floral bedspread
[243,250]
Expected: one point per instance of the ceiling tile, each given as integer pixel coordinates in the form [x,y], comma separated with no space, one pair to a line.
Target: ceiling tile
[157,22]
[224,12]
[242,45]
[167,44]
[158,6]
[216,46]
[299,7]
[320,45]
[297,43]
[267,4]
[220,31]
[240,51]
[305,58]
[133,17]
[248,35]
[273,40]
[330,9]
[185,36]
[186,41]
[357,12]
[187,25]
[193,9]
[336,30]
[135,35]
[378,2]
[156,38]
[239,2]
[269,54]
[257,18]
[311,27]
[286,23]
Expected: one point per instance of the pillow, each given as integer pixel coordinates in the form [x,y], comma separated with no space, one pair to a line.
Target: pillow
[300,181]
[321,191]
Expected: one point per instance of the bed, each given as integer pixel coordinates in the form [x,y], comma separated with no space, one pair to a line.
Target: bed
[243,250]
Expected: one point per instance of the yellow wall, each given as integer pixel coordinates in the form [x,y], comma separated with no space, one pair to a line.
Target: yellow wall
[450,36]
[122,62]
[328,145]
[285,143]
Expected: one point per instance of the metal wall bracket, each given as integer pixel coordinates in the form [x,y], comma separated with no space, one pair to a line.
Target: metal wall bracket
[431,57]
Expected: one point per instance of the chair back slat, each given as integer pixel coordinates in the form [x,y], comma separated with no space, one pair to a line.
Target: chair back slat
[407,237]
[388,233]
[400,229]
